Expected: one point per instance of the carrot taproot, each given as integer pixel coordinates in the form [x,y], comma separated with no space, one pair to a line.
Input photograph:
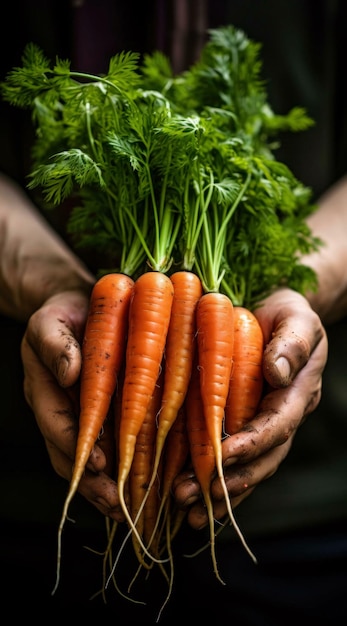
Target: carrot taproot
[175,455]
[149,317]
[141,470]
[103,350]
[151,514]
[148,519]
[215,340]
[107,443]
[246,381]
[179,351]
[202,453]
[117,411]
[111,528]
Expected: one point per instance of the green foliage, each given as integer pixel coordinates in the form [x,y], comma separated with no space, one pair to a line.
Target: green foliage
[172,171]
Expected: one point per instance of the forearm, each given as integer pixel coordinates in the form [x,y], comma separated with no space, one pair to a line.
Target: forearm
[34,262]
[329,223]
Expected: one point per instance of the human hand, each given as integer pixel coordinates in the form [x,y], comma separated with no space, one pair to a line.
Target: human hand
[51,359]
[293,363]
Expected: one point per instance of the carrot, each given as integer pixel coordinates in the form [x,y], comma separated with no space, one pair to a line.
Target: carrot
[107,443]
[215,328]
[149,317]
[246,382]
[151,513]
[141,468]
[117,410]
[175,455]
[179,350]
[103,351]
[201,452]
[112,525]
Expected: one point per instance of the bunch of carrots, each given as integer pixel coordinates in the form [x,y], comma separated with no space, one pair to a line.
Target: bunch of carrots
[184,369]
[174,179]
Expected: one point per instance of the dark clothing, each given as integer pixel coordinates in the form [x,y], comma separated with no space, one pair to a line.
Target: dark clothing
[296,521]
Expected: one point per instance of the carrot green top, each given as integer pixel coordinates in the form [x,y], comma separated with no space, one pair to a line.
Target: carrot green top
[172,171]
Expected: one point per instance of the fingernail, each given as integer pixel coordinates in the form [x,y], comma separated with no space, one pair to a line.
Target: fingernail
[230,461]
[283,367]
[103,503]
[63,367]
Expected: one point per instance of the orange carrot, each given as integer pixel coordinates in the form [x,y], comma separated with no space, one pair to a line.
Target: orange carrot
[215,327]
[202,453]
[117,413]
[149,317]
[103,350]
[246,382]
[175,455]
[151,513]
[179,351]
[141,469]
[107,443]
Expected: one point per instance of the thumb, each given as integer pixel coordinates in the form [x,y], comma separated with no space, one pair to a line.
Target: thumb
[55,332]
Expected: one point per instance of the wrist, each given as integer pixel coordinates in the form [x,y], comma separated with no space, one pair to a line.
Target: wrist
[329,223]
[25,286]
[35,262]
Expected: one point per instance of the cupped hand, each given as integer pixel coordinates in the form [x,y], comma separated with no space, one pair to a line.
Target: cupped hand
[294,359]
[51,357]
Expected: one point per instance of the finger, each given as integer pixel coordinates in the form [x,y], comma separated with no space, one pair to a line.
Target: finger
[241,480]
[291,333]
[254,454]
[197,516]
[186,489]
[53,408]
[280,413]
[99,489]
[240,477]
[54,332]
